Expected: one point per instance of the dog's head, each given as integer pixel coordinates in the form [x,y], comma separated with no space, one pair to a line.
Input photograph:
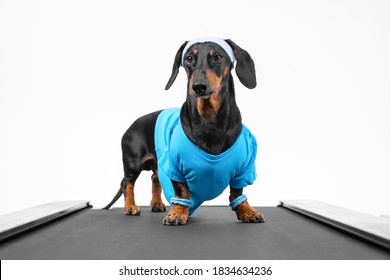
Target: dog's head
[208,63]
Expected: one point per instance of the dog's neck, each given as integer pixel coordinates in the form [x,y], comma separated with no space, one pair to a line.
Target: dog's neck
[212,124]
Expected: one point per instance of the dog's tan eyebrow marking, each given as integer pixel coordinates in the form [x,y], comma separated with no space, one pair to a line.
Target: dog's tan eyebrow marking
[225,72]
[212,52]
[194,52]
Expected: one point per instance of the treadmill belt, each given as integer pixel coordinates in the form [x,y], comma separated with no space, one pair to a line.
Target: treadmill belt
[213,232]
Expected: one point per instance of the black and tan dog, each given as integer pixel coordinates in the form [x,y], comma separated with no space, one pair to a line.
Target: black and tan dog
[209,118]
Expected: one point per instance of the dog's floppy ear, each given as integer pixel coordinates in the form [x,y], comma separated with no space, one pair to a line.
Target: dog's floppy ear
[245,67]
[176,66]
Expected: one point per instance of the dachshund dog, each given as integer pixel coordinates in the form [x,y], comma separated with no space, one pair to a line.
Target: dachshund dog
[196,151]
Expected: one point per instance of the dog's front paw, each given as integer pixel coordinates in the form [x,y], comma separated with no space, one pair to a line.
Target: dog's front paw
[248,214]
[132,210]
[177,216]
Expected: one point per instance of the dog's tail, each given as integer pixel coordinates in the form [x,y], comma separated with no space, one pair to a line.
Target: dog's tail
[116,197]
[118,194]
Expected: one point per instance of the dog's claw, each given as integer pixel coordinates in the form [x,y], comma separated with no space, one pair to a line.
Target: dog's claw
[177,216]
[156,205]
[160,208]
[248,214]
[135,211]
[174,222]
[255,217]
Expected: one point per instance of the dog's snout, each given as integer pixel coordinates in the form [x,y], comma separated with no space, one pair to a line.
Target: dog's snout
[199,88]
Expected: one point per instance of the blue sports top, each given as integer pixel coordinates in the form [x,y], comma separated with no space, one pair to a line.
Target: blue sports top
[206,175]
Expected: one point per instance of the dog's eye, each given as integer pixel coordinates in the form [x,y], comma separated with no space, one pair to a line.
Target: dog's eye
[189,59]
[217,58]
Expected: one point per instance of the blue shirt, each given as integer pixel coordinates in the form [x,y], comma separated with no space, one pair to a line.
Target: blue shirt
[206,175]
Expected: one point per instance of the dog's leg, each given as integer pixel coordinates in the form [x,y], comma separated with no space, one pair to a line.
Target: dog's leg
[244,211]
[156,204]
[179,211]
[130,207]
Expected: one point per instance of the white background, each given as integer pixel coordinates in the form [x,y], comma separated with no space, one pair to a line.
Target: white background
[75,74]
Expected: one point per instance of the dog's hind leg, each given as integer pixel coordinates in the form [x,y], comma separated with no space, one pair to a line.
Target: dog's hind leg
[127,187]
[138,154]
[156,204]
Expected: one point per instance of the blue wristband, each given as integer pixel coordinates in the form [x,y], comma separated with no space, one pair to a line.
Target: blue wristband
[238,201]
[181,201]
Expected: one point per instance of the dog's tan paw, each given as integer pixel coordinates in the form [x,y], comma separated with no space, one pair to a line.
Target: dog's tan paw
[132,210]
[248,214]
[177,216]
[157,206]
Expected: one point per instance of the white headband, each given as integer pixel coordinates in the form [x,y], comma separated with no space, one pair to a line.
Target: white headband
[218,41]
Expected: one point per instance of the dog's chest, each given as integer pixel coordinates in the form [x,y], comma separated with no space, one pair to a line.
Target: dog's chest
[206,175]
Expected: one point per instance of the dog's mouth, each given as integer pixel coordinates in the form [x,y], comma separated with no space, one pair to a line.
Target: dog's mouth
[203,95]
[206,95]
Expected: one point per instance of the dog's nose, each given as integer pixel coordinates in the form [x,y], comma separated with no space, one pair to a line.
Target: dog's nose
[199,88]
